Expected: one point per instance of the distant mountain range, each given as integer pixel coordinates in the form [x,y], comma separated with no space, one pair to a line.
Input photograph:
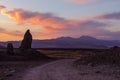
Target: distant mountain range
[69,42]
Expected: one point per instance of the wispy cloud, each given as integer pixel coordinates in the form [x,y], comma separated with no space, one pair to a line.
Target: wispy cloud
[6,35]
[110,16]
[12,33]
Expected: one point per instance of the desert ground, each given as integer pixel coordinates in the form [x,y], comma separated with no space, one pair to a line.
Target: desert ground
[67,65]
[15,70]
[64,70]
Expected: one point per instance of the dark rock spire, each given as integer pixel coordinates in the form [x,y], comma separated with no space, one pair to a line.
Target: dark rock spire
[10,49]
[27,40]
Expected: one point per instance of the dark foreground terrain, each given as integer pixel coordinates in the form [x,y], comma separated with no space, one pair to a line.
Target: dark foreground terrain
[14,70]
[63,64]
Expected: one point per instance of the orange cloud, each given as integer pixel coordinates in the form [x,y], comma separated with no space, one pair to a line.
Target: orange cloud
[82,1]
[47,20]
[8,35]
[43,19]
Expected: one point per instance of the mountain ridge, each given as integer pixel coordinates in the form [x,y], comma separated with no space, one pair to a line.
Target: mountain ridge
[69,42]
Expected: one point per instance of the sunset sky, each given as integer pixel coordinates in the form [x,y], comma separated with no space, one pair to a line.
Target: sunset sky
[48,19]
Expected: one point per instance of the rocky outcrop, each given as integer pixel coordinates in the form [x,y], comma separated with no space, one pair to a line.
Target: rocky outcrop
[27,40]
[10,49]
[25,52]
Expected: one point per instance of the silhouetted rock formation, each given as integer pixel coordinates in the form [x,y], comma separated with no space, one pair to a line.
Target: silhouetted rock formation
[27,41]
[25,52]
[10,49]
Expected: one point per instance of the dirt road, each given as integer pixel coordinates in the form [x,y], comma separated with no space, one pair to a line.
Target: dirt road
[63,70]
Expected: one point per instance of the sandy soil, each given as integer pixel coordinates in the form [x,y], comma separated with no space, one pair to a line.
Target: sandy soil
[64,70]
[15,70]
[56,70]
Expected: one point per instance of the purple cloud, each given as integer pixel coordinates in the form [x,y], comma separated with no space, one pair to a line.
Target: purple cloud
[114,16]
